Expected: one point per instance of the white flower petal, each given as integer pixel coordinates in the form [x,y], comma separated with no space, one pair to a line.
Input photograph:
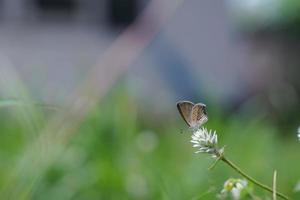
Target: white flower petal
[205,140]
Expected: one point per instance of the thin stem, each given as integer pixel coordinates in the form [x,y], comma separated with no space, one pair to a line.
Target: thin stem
[274,184]
[265,187]
[215,163]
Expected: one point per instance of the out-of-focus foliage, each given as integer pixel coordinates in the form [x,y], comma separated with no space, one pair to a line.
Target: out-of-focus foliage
[118,154]
[266,14]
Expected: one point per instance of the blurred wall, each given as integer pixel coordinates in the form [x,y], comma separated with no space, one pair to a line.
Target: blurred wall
[199,55]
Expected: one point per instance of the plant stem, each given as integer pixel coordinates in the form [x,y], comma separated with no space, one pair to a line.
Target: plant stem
[274,184]
[265,187]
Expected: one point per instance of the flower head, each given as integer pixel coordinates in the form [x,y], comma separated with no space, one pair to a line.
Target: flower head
[234,187]
[297,187]
[298,133]
[206,141]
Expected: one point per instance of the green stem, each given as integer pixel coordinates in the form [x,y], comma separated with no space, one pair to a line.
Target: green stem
[265,187]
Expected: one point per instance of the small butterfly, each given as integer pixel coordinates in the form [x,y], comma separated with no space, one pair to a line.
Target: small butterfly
[193,114]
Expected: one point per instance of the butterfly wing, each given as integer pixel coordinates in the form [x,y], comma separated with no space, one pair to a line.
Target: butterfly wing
[185,109]
[198,115]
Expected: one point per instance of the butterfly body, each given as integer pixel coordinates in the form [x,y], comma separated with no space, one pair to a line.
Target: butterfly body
[193,114]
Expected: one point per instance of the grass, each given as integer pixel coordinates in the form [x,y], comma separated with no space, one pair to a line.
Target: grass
[118,153]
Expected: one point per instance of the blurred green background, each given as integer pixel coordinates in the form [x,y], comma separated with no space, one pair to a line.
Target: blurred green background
[118,153]
[88,93]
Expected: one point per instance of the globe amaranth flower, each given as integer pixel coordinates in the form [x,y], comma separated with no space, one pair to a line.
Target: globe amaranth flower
[206,141]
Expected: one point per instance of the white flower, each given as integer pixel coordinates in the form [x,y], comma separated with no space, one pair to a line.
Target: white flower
[234,187]
[206,141]
[297,187]
[298,131]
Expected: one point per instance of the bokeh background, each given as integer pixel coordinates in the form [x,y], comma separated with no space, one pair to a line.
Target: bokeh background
[89,89]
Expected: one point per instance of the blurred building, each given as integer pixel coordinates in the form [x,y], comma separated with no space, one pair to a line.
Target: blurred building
[115,11]
[208,50]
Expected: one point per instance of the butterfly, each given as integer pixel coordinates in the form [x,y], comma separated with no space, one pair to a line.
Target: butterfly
[193,114]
